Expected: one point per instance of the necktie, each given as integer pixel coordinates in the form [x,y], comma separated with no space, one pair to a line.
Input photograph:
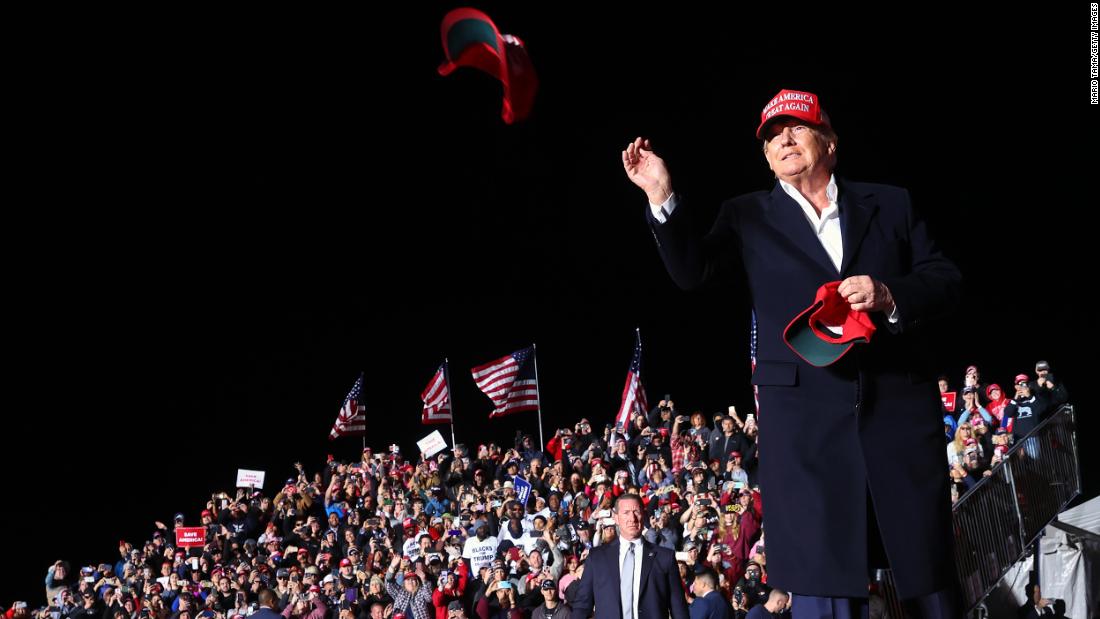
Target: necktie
[626,583]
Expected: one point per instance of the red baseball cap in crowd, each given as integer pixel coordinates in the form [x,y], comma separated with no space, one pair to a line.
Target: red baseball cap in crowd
[796,104]
[807,336]
[1020,378]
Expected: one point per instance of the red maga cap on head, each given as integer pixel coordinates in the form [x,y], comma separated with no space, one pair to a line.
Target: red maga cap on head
[796,104]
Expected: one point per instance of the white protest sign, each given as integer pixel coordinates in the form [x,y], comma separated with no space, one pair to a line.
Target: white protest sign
[250,479]
[432,444]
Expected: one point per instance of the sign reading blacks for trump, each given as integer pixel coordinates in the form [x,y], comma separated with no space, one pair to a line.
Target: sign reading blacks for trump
[190,536]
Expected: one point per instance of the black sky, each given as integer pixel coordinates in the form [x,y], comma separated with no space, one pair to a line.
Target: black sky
[233,214]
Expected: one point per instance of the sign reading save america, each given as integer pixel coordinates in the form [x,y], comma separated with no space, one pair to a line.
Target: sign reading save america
[190,536]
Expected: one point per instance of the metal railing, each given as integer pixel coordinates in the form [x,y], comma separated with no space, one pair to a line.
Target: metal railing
[1002,515]
[999,518]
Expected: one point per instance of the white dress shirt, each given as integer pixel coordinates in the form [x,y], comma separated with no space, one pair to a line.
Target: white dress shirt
[826,225]
[639,551]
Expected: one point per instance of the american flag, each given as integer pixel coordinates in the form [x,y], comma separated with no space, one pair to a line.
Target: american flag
[510,382]
[437,398]
[633,391]
[352,419]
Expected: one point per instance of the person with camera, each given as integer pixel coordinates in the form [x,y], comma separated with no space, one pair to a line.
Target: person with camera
[983,437]
[451,587]
[238,520]
[1045,384]
[699,479]
[734,472]
[961,480]
[90,606]
[622,460]
[695,427]
[970,407]
[64,603]
[526,447]
[410,598]
[972,464]
[538,475]
[655,477]
[661,530]
[59,576]
[663,414]
[736,530]
[376,593]
[308,605]
[997,403]
[751,585]
[560,444]
[582,438]
[1028,408]
[973,380]
[499,601]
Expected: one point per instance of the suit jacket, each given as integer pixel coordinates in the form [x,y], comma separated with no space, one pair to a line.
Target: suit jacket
[711,606]
[1028,611]
[266,613]
[660,592]
[871,423]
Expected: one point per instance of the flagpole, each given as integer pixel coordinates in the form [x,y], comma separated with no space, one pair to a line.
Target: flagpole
[361,373]
[538,394]
[638,332]
[450,400]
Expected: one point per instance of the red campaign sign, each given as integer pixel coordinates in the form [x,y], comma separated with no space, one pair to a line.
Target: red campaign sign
[948,401]
[190,536]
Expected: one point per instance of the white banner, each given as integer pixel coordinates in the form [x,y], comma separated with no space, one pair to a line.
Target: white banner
[250,479]
[431,444]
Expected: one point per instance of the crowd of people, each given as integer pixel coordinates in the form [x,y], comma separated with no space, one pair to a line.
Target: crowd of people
[446,537]
[985,423]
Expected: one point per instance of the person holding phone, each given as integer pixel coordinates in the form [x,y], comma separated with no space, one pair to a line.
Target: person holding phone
[411,597]
[58,577]
[499,602]
[734,472]
[451,587]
